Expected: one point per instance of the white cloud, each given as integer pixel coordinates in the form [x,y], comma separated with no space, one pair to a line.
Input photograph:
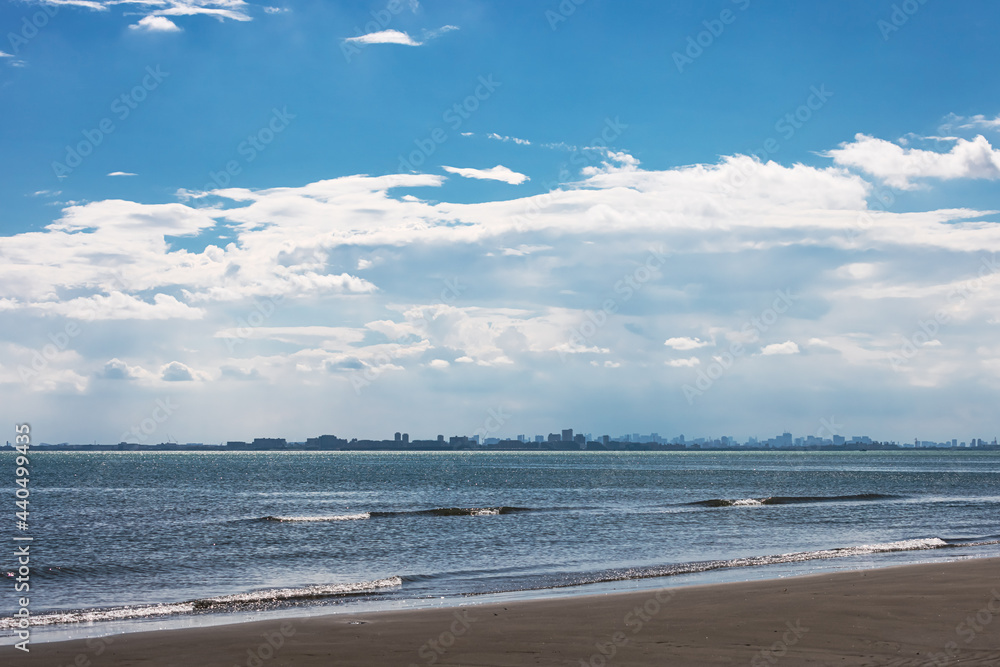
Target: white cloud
[977,122]
[122,173]
[276,10]
[685,343]
[155,24]
[434,34]
[897,166]
[504,138]
[218,9]
[116,369]
[5,55]
[525,249]
[175,371]
[510,292]
[384,37]
[497,173]
[788,347]
[615,162]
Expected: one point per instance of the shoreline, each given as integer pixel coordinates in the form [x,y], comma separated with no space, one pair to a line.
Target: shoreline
[917,614]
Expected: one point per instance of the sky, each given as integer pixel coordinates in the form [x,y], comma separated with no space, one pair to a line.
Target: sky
[222,220]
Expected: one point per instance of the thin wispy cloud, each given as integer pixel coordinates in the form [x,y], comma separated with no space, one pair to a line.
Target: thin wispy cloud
[434,34]
[384,37]
[235,10]
[506,138]
[122,173]
[497,173]
[391,36]
[977,122]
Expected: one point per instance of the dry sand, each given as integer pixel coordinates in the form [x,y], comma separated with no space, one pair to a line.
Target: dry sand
[929,614]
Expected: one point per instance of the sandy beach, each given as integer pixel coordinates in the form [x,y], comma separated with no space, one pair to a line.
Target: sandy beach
[928,614]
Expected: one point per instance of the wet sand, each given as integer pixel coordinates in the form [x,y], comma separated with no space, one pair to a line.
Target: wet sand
[928,614]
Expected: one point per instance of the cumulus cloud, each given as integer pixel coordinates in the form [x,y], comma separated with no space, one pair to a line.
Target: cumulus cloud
[175,371]
[153,24]
[497,173]
[788,347]
[683,343]
[531,294]
[898,166]
[116,369]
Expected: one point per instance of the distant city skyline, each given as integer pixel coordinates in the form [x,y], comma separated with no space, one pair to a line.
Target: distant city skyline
[402,440]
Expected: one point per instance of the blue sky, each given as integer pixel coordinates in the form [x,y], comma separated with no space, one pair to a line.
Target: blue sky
[710,218]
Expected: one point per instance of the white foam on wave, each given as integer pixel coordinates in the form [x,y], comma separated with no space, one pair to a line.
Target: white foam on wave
[486,511]
[146,611]
[333,517]
[748,502]
[276,594]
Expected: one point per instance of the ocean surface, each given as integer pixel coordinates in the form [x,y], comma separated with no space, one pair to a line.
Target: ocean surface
[127,541]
